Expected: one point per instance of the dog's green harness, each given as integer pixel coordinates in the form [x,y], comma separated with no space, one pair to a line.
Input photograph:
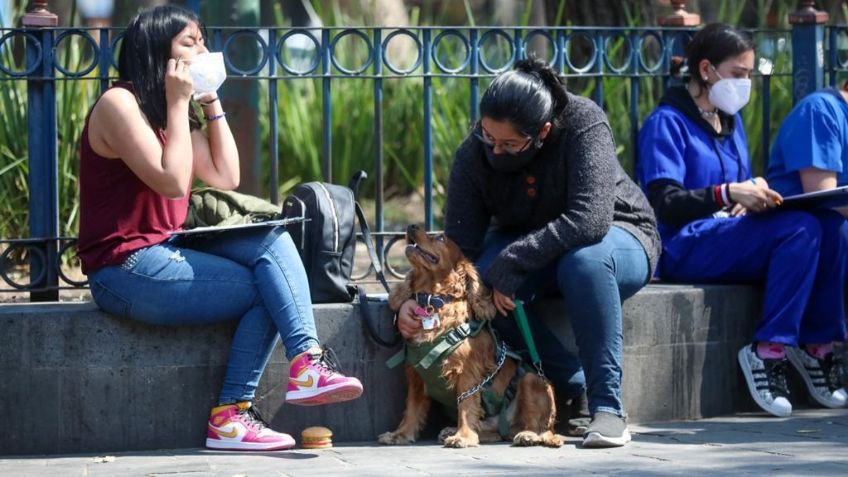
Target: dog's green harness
[427,361]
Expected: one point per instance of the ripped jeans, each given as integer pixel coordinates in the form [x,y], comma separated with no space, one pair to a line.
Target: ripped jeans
[253,276]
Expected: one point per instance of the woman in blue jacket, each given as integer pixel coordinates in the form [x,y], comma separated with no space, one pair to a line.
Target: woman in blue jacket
[811,149]
[717,227]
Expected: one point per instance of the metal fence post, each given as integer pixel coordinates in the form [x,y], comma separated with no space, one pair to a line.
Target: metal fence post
[379,224]
[807,49]
[680,17]
[42,154]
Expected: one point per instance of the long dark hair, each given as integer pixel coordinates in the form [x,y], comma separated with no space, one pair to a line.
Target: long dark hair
[145,51]
[715,42]
[528,96]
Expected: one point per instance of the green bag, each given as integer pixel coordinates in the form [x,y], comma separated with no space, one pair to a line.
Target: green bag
[210,207]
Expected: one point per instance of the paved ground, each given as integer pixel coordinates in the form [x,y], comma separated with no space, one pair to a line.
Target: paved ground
[813,442]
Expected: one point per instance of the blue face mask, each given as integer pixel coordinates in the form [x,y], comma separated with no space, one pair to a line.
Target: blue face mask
[506,162]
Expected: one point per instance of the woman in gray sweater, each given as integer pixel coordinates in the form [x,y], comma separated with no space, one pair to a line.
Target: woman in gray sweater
[538,199]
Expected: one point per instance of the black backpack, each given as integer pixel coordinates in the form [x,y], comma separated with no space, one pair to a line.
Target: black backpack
[327,242]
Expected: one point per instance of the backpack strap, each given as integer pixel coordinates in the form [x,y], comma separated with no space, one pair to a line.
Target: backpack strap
[356,181]
[365,310]
[371,323]
[369,244]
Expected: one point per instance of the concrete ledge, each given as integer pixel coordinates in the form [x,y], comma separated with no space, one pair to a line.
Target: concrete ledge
[77,380]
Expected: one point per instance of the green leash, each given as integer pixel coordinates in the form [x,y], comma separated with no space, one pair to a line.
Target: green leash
[524,326]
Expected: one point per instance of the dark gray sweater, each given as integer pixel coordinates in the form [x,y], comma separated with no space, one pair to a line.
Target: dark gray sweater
[569,196]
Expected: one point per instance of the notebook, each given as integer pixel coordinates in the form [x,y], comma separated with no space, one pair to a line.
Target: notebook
[234,227]
[823,199]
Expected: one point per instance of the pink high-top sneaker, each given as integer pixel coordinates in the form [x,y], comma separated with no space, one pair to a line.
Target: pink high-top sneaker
[313,380]
[240,427]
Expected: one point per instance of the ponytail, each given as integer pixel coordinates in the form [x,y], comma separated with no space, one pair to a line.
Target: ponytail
[549,77]
[528,97]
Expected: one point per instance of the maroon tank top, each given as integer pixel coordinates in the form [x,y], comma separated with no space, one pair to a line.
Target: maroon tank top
[118,212]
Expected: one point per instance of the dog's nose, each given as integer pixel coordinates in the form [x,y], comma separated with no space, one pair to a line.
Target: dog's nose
[412,228]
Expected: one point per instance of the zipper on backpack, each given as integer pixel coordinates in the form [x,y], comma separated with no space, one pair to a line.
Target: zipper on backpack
[335,218]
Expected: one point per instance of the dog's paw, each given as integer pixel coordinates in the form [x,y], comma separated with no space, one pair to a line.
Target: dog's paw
[549,439]
[394,439]
[526,439]
[458,442]
[485,309]
[445,433]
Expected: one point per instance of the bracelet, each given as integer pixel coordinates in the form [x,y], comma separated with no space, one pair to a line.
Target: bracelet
[210,103]
[717,195]
[216,117]
[725,194]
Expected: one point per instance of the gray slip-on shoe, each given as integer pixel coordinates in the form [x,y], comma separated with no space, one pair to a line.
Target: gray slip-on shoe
[606,430]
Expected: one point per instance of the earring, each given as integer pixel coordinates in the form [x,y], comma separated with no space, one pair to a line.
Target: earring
[705,78]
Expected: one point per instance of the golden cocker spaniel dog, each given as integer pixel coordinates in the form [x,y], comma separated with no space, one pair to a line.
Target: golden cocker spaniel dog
[439,269]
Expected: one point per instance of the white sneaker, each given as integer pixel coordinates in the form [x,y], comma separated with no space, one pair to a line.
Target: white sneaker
[822,377]
[766,380]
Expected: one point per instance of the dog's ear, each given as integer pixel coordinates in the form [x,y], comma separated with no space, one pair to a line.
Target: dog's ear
[479,297]
[401,292]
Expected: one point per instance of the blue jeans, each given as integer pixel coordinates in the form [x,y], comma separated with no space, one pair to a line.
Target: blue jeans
[593,281]
[255,277]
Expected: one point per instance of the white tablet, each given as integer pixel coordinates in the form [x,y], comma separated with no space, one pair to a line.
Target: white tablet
[228,228]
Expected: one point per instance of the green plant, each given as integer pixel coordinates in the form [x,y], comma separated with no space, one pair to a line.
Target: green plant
[13,146]
[73,100]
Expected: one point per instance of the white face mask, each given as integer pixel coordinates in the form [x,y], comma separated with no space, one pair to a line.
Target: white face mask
[730,94]
[207,72]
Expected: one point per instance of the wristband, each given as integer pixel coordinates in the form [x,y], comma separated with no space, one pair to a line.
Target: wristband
[717,196]
[216,117]
[725,194]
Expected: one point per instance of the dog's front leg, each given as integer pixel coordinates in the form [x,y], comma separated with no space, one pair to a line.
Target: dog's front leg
[400,293]
[469,413]
[415,414]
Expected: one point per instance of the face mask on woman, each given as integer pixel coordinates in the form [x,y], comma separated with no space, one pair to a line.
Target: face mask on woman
[730,94]
[506,162]
[207,72]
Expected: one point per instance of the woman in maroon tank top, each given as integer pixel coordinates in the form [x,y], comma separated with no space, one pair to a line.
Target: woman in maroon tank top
[141,148]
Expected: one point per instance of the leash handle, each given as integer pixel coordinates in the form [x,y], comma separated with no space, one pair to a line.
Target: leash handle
[524,327]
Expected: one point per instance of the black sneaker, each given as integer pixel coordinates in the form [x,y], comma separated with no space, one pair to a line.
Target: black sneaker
[766,380]
[822,376]
[606,430]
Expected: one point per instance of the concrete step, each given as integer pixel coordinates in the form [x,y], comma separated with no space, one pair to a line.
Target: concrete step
[77,380]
